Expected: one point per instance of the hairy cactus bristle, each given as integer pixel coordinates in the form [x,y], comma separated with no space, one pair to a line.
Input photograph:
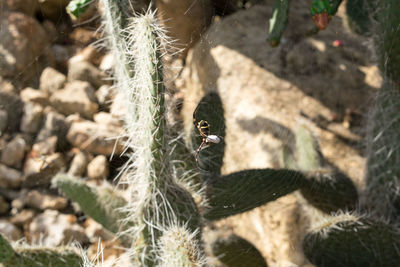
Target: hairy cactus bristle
[103,205]
[383,168]
[155,199]
[25,256]
[350,240]
[178,246]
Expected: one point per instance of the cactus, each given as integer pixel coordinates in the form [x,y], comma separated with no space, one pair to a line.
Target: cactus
[37,256]
[242,191]
[340,239]
[78,7]
[103,205]
[350,240]
[235,251]
[383,168]
[320,10]
[326,188]
[278,21]
[156,202]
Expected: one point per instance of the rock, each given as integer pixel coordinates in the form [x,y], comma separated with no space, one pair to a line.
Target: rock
[23,218]
[85,71]
[52,228]
[54,125]
[98,168]
[14,152]
[10,231]
[13,105]
[3,121]
[83,37]
[105,95]
[4,206]
[32,95]
[43,201]
[95,138]
[39,169]
[32,118]
[94,231]
[78,164]
[112,251]
[107,63]
[24,43]
[61,56]
[51,80]
[18,201]
[185,20]
[52,31]
[89,54]
[46,147]
[10,194]
[28,7]
[7,87]
[52,9]
[119,107]
[76,97]
[107,119]
[9,178]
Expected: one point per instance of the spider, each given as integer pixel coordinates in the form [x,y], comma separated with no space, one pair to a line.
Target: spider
[204,129]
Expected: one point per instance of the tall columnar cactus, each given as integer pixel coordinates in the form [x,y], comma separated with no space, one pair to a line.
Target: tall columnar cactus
[156,202]
[341,238]
[383,166]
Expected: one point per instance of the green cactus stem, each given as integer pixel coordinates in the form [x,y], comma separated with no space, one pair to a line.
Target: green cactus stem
[179,247]
[347,240]
[277,23]
[388,38]
[326,188]
[309,157]
[155,200]
[330,190]
[37,256]
[6,251]
[242,191]
[103,204]
[383,168]
[235,251]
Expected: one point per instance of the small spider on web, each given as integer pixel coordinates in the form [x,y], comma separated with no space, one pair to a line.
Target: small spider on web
[207,139]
